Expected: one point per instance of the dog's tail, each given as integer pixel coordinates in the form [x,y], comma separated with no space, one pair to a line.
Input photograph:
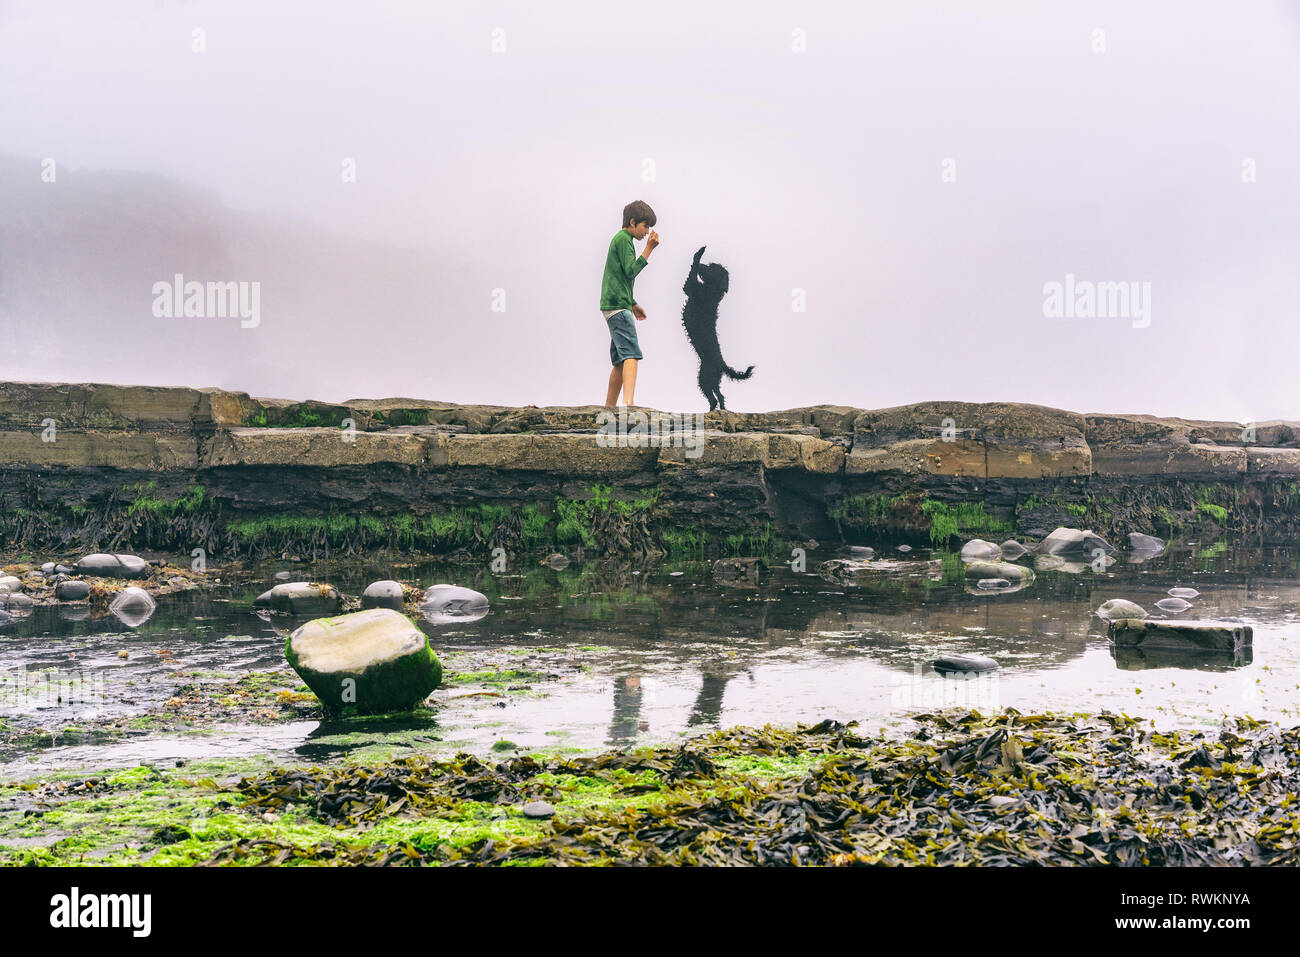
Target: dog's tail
[733,374]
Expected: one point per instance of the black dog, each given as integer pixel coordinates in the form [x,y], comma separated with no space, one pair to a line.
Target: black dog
[705,287]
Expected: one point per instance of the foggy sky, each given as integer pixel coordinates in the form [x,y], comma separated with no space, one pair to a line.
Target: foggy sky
[481,170]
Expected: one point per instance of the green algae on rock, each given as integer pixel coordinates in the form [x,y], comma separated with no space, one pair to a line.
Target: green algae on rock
[369,662]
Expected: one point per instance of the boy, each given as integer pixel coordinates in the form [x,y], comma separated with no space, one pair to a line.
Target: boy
[616,302]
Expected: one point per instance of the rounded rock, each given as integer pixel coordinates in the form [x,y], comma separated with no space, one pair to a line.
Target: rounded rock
[1012,549]
[978,550]
[72,590]
[967,664]
[444,604]
[1184,592]
[301,598]
[133,606]
[538,809]
[1173,605]
[383,594]
[113,566]
[1118,608]
[1012,573]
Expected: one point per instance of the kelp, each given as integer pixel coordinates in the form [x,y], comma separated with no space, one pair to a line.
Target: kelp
[962,789]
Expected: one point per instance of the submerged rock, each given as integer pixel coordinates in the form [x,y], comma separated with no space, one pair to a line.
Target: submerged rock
[1118,608]
[1005,570]
[1173,605]
[738,570]
[860,553]
[16,599]
[133,606]
[557,561]
[451,603]
[978,550]
[301,598]
[952,664]
[993,586]
[1012,549]
[383,594]
[845,571]
[1184,592]
[1196,636]
[369,662]
[72,590]
[1074,543]
[113,566]
[904,548]
[1147,544]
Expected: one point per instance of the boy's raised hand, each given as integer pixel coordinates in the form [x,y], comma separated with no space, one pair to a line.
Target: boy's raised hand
[652,240]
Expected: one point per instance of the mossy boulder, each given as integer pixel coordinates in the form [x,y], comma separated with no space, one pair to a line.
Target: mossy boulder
[369,662]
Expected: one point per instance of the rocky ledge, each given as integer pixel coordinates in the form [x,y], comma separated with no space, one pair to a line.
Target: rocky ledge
[115,467]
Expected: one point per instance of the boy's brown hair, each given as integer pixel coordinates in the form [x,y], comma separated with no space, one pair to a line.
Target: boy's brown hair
[638,212]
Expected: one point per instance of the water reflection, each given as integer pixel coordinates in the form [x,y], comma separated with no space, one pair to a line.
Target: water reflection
[661,646]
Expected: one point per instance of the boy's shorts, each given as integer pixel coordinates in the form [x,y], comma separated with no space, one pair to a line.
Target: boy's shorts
[622,337]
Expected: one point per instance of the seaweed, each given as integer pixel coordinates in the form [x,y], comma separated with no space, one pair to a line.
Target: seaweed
[963,789]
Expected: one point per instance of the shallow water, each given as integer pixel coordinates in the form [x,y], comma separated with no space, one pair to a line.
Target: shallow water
[611,656]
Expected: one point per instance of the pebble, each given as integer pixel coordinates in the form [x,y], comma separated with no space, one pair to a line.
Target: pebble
[950,664]
[538,809]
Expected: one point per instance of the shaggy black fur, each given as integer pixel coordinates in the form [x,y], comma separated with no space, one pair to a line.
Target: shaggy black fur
[705,287]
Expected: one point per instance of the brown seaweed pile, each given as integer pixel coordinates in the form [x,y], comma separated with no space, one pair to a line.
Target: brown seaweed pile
[964,788]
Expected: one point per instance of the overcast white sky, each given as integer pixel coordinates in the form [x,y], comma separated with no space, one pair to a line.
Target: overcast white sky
[818,171]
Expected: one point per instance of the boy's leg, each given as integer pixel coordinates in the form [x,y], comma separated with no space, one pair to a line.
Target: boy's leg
[629,381]
[615,383]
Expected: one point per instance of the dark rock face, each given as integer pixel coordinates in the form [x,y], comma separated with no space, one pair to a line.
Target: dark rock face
[793,474]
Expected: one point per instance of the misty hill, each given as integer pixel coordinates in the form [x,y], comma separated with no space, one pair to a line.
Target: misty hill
[79,258]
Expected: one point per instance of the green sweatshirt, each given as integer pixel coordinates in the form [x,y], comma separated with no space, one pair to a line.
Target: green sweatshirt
[621,267]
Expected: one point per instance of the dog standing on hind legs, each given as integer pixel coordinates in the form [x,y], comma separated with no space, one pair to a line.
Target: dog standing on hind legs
[705,287]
